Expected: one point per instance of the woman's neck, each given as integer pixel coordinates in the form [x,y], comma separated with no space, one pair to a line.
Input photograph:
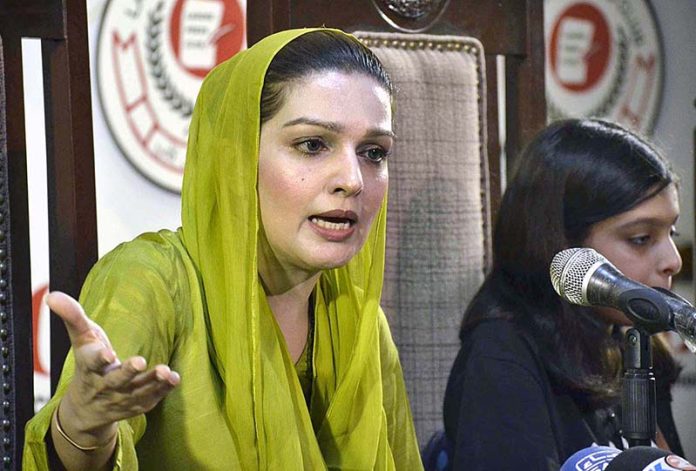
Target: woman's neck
[290,309]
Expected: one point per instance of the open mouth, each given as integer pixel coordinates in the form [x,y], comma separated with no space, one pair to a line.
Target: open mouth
[336,220]
[332,223]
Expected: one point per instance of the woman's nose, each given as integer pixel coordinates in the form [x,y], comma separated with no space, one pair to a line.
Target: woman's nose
[347,177]
[670,261]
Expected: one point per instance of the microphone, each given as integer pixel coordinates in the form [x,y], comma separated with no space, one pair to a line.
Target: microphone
[639,458]
[583,276]
[645,458]
[594,458]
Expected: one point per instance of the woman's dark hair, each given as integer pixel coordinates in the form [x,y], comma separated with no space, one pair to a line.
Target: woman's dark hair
[574,174]
[313,52]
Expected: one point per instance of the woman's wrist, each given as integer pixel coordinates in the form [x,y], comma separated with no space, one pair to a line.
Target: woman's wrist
[85,439]
[86,448]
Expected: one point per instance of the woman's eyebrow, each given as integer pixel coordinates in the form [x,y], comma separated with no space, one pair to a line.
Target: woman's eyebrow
[330,125]
[378,132]
[653,221]
[336,127]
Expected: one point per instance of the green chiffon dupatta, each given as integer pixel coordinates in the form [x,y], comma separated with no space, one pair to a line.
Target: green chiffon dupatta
[346,425]
[193,300]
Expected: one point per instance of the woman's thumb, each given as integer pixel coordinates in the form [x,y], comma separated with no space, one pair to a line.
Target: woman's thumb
[68,309]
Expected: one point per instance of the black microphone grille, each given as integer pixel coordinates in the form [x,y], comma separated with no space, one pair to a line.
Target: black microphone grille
[568,269]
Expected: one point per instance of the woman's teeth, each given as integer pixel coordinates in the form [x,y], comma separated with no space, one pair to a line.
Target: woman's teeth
[333,226]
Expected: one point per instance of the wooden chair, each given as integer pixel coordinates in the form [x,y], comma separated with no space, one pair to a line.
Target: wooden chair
[62,27]
[444,189]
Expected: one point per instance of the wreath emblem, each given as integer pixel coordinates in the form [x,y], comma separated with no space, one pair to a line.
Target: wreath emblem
[170,94]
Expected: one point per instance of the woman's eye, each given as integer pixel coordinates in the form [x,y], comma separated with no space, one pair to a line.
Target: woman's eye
[375,154]
[673,232]
[311,146]
[639,240]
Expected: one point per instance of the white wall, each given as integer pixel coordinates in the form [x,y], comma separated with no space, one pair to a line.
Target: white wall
[127,203]
[676,122]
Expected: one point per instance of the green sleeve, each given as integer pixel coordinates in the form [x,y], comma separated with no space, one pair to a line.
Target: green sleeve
[401,431]
[131,293]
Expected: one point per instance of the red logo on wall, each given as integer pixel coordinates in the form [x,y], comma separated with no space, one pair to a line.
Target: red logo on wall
[589,49]
[604,59]
[152,57]
[38,311]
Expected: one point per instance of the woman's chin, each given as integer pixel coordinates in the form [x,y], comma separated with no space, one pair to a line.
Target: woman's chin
[332,259]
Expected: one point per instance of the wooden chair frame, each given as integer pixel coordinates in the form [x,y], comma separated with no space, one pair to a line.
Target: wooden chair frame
[61,25]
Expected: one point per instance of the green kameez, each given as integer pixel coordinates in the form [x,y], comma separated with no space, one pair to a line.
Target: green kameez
[192,299]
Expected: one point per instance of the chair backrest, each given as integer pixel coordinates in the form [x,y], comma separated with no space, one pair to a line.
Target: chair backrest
[71,198]
[443,188]
[438,224]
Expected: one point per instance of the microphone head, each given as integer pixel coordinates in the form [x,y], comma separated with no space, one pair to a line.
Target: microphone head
[645,458]
[569,269]
[639,458]
[594,458]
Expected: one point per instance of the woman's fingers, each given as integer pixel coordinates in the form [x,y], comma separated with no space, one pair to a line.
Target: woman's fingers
[160,379]
[132,375]
[122,377]
[76,321]
[159,374]
[122,393]
[150,392]
[110,390]
[95,357]
[131,390]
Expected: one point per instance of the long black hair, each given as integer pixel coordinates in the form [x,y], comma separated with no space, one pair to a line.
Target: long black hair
[314,52]
[575,173]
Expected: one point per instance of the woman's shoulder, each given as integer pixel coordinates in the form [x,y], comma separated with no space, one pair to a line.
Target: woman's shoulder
[148,282]
[149,268]
[163,242]
[160,252]
[497,346]
[497,337]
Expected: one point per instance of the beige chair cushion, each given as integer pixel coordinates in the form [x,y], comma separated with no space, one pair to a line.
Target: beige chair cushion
[438,226]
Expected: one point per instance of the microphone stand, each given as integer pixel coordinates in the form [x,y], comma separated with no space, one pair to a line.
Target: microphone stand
[638,390]
[650,314]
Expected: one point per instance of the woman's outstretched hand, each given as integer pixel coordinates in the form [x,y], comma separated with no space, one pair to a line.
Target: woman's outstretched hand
[103,390]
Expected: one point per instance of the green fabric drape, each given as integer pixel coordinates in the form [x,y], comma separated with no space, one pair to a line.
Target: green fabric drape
[359,417]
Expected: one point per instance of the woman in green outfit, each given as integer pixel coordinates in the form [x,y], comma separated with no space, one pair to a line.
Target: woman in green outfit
[261,313]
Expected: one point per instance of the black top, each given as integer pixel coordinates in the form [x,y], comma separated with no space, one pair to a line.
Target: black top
[501,411]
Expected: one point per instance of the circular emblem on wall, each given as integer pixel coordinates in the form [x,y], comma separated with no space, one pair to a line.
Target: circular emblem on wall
[603,59]
[152,57]
[410,15]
